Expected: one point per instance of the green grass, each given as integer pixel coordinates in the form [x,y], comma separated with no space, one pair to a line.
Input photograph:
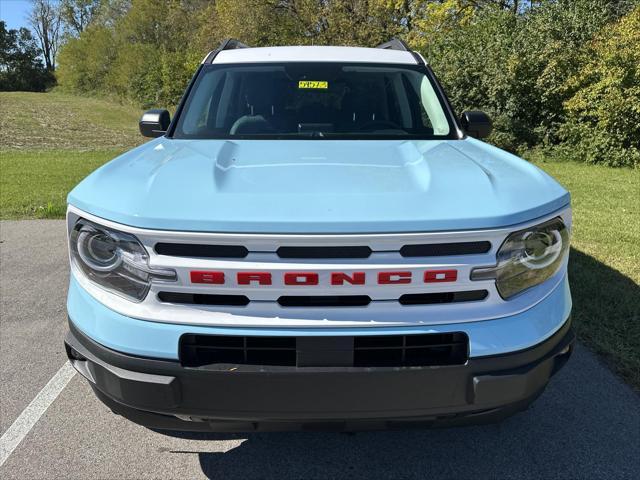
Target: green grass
[56,121]
[49,142]
[604,269]
[35,184]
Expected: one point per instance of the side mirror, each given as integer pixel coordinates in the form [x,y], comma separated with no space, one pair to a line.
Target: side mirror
[476,124]
[154,123]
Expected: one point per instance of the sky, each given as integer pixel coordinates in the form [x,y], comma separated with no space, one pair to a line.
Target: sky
[14,12]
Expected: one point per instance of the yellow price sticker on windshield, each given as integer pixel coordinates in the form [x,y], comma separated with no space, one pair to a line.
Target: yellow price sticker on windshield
[313,84]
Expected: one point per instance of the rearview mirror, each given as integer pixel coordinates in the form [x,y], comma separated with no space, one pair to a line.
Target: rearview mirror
[476,124]
[154,123]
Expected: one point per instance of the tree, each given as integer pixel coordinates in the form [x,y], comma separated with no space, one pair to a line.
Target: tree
[20,65]
[603,115]
[111,12]
[531,64]
[513,63]
[317,22]
[45,22]
[78,14]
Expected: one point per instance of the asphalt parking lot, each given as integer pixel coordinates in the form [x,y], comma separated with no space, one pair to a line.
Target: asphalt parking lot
[586,424]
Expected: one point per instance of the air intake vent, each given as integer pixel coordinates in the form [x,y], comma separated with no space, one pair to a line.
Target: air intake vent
[324,252]
[411,350]
[445,249]
[201,251]
[200,351]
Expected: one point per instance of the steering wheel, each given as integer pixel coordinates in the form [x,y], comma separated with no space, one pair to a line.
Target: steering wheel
[380,125]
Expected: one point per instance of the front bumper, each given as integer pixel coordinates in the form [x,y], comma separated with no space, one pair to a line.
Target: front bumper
[163,394]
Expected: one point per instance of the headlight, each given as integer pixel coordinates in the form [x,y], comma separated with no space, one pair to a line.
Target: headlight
[528,258]
[115,260]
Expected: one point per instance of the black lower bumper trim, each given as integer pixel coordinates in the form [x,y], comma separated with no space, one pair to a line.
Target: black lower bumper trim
[162,394]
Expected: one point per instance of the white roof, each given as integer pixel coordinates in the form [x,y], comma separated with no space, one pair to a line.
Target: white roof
[314,54]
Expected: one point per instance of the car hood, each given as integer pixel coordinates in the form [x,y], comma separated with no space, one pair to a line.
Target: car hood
[318,186]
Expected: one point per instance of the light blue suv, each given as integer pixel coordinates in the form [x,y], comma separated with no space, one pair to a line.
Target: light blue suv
[316,241]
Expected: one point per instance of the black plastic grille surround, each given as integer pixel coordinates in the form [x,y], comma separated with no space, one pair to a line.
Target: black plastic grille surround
[315,252]
[433,349]
[323,300]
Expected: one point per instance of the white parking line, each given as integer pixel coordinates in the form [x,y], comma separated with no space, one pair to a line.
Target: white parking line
[30,415]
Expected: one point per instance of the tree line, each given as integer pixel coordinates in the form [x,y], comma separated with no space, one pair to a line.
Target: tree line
[28,55]
[21,66]
[553,74]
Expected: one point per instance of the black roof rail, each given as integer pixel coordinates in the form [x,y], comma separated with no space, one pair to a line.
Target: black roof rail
[395,44]
[227,44]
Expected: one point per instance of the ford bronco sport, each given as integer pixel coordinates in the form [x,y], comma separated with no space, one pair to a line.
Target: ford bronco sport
[316,241]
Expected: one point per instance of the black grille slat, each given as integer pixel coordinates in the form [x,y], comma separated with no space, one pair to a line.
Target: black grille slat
[442,297]
[397,341]
[324,252]
[271,357]
[432,349]
[445,249]
[206,347]
[384,341]
[405,347]
[201,250]
[204,299]
[270,342]
[194,356]
[421,340]
[324,301]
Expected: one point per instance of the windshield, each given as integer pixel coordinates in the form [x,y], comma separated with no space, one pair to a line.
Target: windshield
[313,100]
